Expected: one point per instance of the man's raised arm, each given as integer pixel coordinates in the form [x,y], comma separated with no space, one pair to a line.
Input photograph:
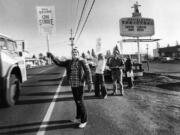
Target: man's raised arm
[56,60]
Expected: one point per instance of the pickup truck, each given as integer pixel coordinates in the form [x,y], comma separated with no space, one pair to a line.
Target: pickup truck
[12,71]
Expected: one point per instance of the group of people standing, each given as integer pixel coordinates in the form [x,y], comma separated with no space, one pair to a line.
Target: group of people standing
[116,65]
[79,72]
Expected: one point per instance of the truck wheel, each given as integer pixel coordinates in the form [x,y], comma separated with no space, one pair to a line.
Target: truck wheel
[12,93]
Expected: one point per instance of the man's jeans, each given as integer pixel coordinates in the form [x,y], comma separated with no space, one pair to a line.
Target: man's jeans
[80,106]
[100,85]
[117,76]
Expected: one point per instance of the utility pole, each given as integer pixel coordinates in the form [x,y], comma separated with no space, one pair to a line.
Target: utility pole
[147,51]
[147,56]
[72,40]
[47,40]
[139,55]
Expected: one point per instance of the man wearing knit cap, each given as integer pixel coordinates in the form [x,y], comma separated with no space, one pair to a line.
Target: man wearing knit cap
[77,71]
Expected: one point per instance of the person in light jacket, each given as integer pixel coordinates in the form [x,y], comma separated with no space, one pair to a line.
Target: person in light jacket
[99,77]
[77,70]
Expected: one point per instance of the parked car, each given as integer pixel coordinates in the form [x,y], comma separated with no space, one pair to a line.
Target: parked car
[166,59]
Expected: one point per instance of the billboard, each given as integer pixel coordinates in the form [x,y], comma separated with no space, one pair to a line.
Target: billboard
[136,27]
[46,19]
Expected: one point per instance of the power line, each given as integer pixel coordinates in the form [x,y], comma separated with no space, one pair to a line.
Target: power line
[71,14]
[76,15]
[85,20]
[77,6]
[77,9]
[82,12]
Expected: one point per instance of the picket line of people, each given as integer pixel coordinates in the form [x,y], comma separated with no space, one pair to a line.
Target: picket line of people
[78,71]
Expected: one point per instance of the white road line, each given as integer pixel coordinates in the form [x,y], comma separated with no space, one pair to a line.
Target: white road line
[44,123]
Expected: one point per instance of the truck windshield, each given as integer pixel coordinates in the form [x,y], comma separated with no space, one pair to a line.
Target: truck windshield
[11,45]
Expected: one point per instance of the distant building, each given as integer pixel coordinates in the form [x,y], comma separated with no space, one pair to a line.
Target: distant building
[170,51]
[156,52]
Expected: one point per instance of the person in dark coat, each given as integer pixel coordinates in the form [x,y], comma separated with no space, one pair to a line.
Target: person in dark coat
[77,71]
[129,72]
[116,65]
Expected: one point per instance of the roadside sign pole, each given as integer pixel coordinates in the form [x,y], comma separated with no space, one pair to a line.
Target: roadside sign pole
[139,55]
[47,40]
[46,22]
[121,47]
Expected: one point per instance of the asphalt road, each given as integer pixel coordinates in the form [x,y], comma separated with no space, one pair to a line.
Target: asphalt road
[46,107]
[166,68]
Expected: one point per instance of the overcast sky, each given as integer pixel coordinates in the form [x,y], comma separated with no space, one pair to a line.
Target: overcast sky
[18,19]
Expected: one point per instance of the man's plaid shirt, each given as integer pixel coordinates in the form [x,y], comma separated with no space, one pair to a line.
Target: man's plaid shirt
[75,72]
[74,77]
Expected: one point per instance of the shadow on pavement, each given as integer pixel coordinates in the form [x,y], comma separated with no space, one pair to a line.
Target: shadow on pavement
[2,105]
[40,94]
[39,85]
[47,93]
[61,99]
[35,127]
[155,92]
[43,74]
[54,79]
[170,86]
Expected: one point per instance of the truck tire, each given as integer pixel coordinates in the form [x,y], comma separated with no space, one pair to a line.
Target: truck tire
[12,93]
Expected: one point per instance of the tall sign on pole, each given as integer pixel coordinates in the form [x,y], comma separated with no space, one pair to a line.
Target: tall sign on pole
[136,26]
[46,21]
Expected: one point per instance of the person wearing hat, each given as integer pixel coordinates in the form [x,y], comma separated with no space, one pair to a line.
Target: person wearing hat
[77,71]
[116,65]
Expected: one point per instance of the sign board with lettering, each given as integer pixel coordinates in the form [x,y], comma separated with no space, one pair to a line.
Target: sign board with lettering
[136,27]
[46,19]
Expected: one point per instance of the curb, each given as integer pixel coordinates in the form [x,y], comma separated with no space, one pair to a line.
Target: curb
[151,73]
[158,74]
